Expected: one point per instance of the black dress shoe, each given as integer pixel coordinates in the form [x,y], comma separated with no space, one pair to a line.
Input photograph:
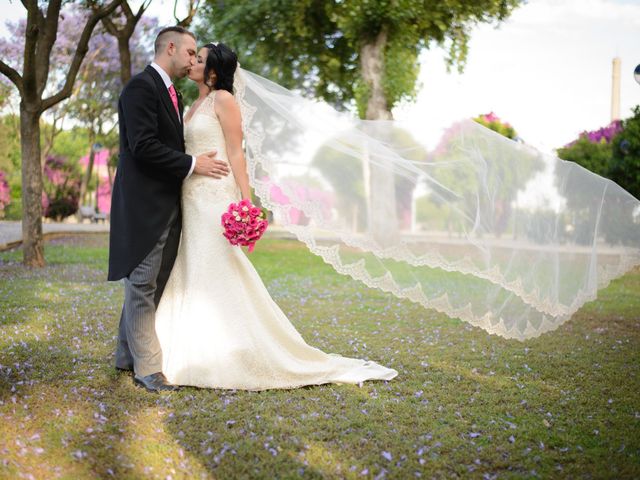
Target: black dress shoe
[124,369]
[156,382]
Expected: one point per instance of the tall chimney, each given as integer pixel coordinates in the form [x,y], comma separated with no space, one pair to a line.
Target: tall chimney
[615,90]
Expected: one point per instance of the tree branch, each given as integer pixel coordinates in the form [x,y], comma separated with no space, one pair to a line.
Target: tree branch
[126,30]
[192,9]
[128,14]
[32,31]
[142,9]
[29,4]
[47,33]
[83,47]
[110,26]
[123,34]
[12,75]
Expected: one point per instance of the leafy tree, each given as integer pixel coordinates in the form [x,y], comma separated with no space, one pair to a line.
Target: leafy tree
[592,149]
[493,122]
[344,172]
[9,144]
[37,96]
[624,169]
[337,50]
[595,157]
[6,89]
[341,51]
[493,189]
[612,152]
[593,153]
[10,163]
[625,162]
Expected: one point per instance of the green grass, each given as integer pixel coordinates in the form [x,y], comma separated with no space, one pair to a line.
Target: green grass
[465,404]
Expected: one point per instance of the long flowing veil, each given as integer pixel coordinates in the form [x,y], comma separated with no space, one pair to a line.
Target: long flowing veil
[471,224]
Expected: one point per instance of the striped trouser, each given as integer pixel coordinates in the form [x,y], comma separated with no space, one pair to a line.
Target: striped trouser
[138,345]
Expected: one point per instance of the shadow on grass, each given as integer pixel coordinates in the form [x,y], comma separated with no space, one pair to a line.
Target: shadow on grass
[464,404]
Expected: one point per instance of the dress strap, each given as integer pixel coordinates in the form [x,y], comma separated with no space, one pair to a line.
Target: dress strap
[210,100]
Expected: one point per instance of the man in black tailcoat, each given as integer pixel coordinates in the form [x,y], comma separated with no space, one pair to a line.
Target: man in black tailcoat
[145,205]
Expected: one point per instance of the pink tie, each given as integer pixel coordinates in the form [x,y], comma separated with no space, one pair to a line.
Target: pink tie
[174,98]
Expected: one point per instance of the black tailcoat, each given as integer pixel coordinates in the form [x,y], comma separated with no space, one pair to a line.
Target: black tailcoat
[151,168]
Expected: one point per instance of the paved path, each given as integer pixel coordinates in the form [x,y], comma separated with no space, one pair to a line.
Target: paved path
[11,232]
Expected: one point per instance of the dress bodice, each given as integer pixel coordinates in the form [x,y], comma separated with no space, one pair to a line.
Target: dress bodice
[203,133]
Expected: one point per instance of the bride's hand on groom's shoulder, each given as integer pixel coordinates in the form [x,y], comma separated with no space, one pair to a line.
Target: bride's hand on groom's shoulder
[207,164]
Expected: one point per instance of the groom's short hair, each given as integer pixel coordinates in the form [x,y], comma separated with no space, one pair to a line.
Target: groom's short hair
[166,34]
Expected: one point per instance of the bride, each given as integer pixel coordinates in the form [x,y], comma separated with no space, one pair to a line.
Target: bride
[471,224]
[216,322]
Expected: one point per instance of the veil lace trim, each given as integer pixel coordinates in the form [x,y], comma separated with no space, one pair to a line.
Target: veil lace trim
[533,307]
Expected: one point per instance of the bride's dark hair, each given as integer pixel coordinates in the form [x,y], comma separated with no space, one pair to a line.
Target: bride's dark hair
[223,61]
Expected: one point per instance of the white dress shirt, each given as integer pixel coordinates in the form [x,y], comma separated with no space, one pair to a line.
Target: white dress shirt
[167,82]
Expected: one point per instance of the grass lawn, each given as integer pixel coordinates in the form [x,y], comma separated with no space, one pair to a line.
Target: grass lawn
[465,404]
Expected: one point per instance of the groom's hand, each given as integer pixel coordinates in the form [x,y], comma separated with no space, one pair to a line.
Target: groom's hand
[207,164]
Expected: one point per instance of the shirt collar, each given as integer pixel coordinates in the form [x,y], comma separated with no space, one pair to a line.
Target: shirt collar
[164,75]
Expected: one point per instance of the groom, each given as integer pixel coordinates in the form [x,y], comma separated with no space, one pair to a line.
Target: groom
[145,208]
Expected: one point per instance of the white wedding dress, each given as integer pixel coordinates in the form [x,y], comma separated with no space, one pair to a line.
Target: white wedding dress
[216,322]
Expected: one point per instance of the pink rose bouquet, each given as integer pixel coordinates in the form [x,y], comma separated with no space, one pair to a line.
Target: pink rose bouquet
[243,224]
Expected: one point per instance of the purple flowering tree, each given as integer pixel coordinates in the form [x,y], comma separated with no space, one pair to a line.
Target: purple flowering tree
[592,149]
[604,134]
[493,122]
[121,24]
[31,77]
[94,101]
[625,163]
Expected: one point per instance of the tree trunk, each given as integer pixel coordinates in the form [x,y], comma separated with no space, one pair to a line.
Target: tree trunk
[125,59]
[378,172]
[372,66]
[32,241]
[40,36]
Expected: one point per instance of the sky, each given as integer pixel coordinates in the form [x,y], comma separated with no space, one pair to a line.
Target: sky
[546,70]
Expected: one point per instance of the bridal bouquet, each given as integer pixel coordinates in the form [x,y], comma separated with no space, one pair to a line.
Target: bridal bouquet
[243,224]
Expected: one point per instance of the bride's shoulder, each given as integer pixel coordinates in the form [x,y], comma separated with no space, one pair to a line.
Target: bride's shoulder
[223,96]
[224,101]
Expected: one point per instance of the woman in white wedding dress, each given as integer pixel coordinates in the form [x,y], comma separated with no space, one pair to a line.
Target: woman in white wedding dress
[216,322]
